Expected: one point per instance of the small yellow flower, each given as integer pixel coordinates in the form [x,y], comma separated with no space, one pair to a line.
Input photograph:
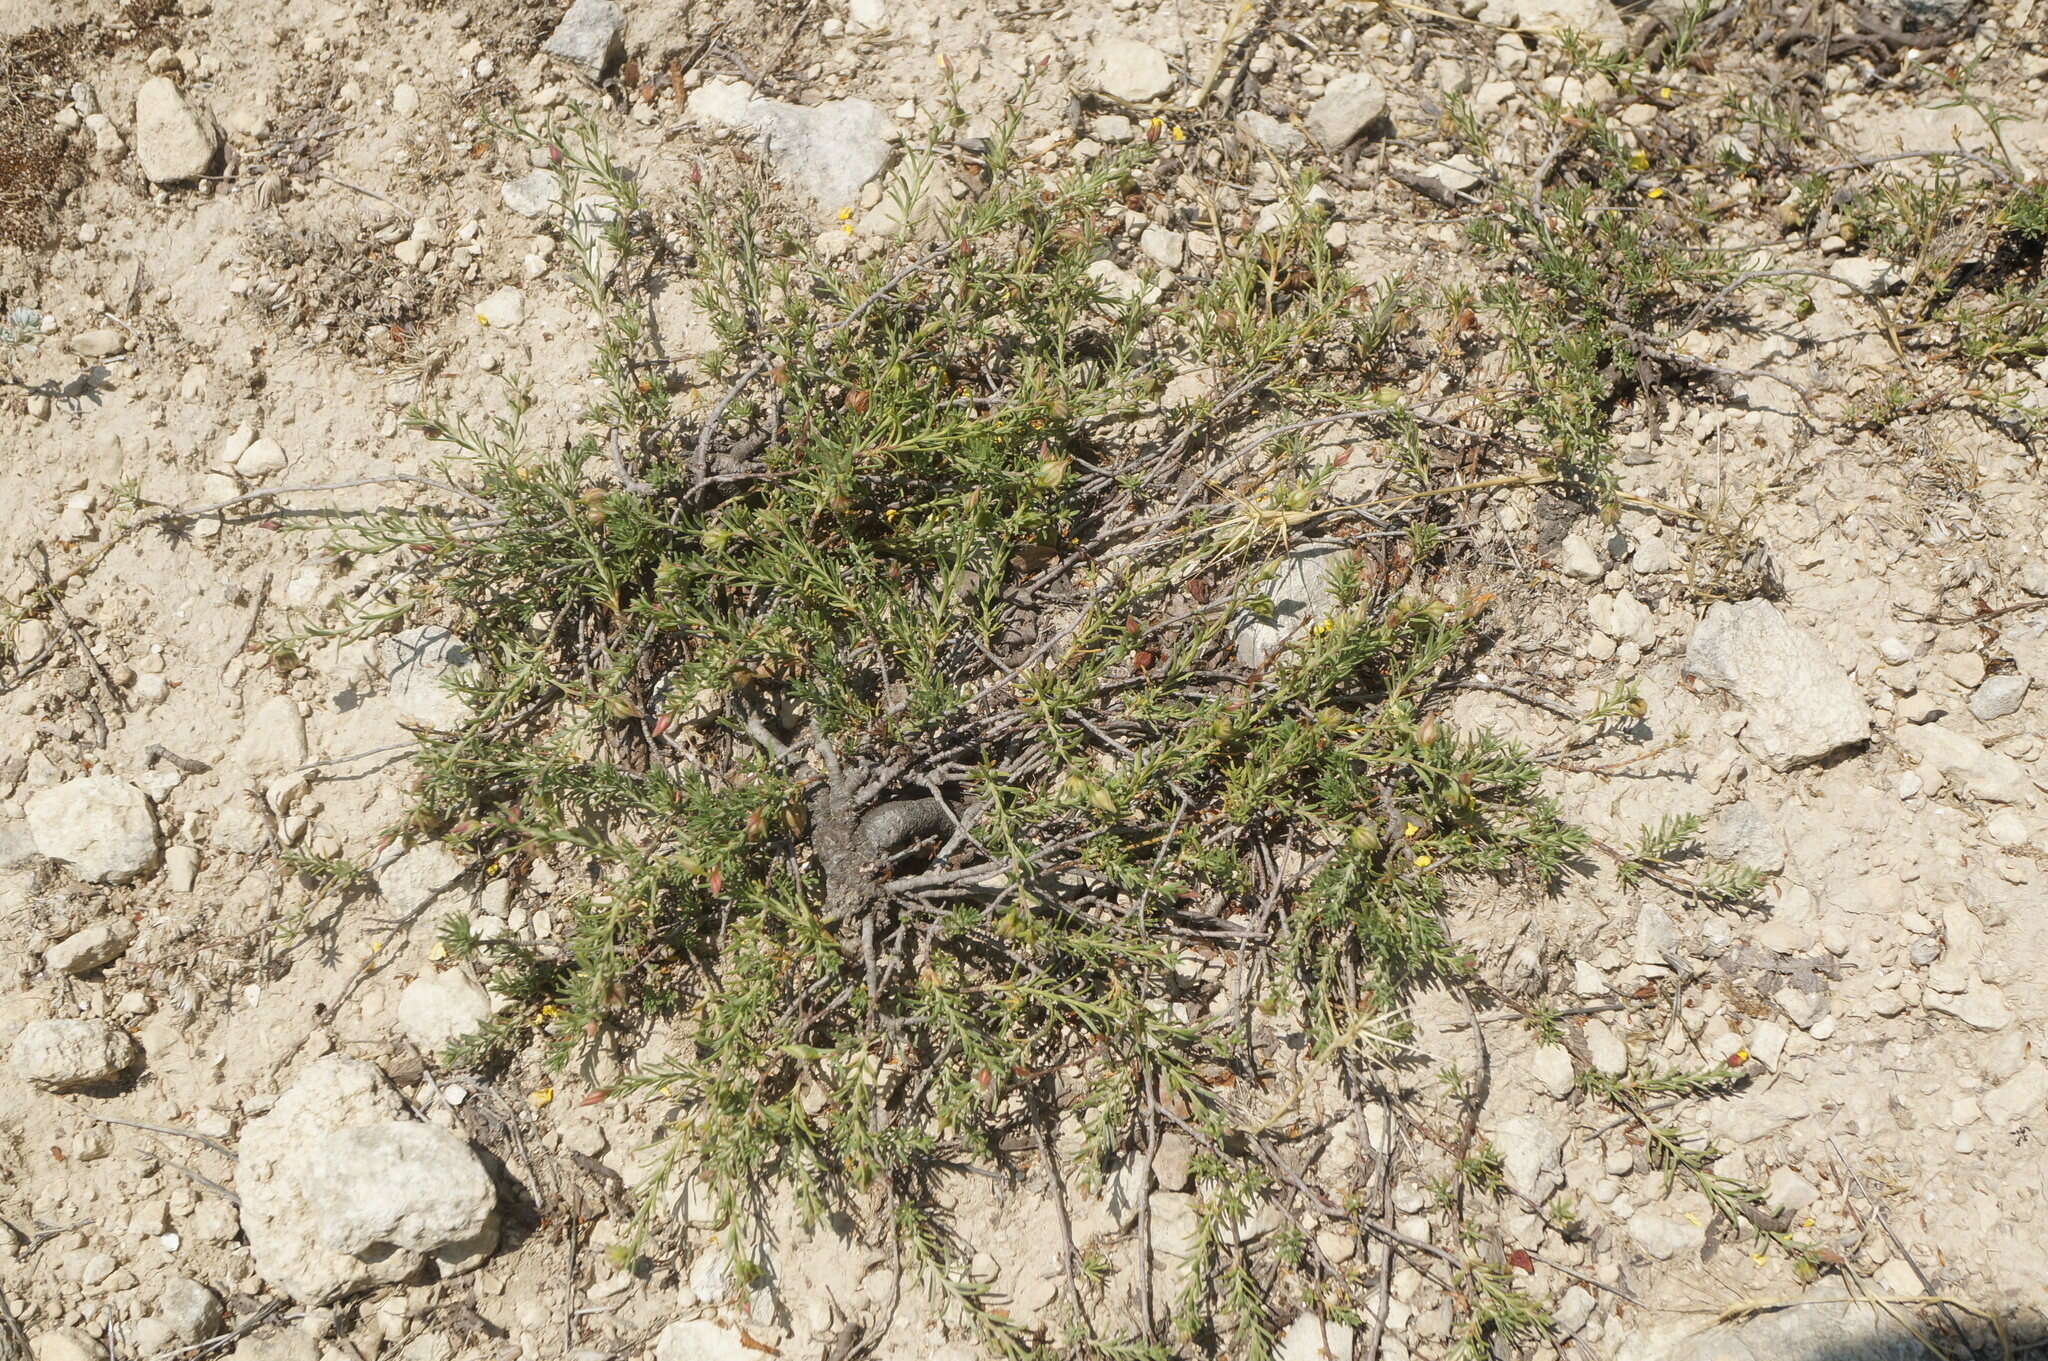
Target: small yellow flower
[1410,830]
[1179,134]
[376,945]
[483,320]
[1639,161]
[846,214]
[540,1098]
[1657,193]
[1424,861]
[1664,93]
[439,952]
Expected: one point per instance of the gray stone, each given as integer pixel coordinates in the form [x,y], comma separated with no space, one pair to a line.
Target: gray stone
[1163,246]
[342,1193]
[1986,774]
[590,38]
[1998,696]
[1666,1236]
[1658,942]
[102,342]
[397,1184]
[102,827]
[701,1340]
[1112,128]
[412,879]
[1173,1162]
[1801,707]
[1767,1041]
[281,1344]
[1981,1006]
[151,1337]
[192,1312]
[1456,175]
[1605,1048]
[1125,1189]
[273,741]
[892,826]
[2007,829]
[1283,139]
[172,143]
[1745,835]
[1623,618]
[1935,14]
[2019,1096]
[420,663]
[1350,105]
[1532,1156]
[1300,596]
[1312,1338]
[1788,1192]
[262,458]
[829,151]
[534,195]
[17,847]
[67,1344]
[83,951]
[1806,1009]
[1867,275]
[437,1009]
[73,1055]
[1818,1330]
[1551,1066]
[1652,556]
[1590,18]
[1132,71]
[1577,559]
[2034,577]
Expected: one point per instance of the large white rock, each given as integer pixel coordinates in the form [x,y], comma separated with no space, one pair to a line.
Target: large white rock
[341,1192]
[102,827]
[437,1009]
[172,143]
[1802,708]
[73,1055]
[826,152]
